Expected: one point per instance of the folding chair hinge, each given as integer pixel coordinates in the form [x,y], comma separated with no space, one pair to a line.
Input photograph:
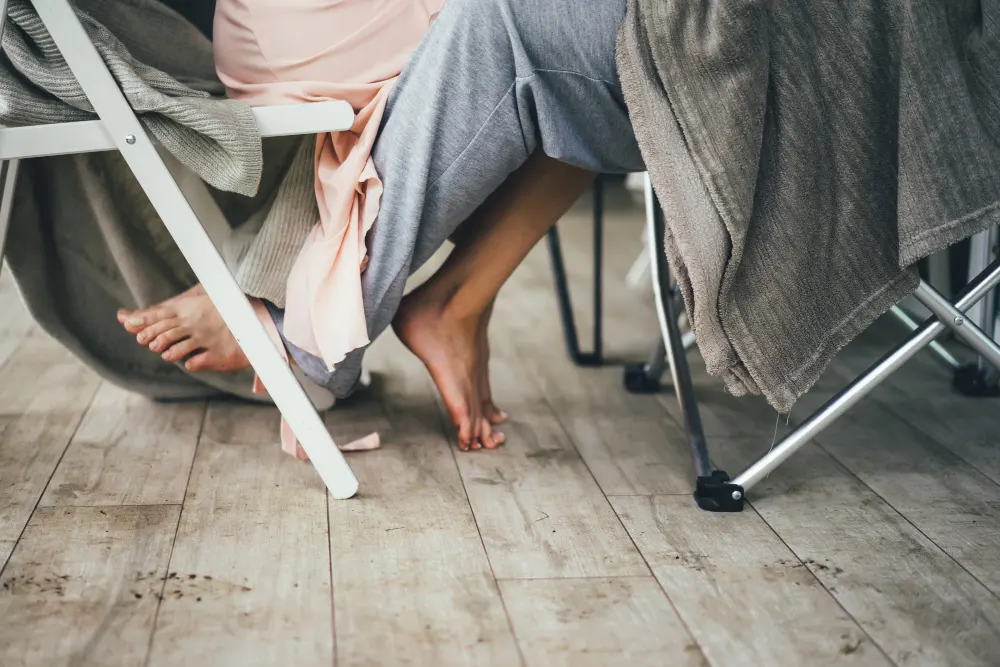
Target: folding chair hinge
[715,493]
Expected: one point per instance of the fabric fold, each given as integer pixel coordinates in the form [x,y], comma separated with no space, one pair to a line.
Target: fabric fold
[806,155]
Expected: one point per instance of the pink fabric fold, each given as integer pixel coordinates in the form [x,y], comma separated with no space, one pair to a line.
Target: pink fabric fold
[270,52]
[289,443]
[285,51]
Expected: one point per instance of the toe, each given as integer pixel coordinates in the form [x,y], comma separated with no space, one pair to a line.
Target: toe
[491,438]
[168,338]
[180,350]
[135,322]
[464,427]
[485,438]
[140,319]
[198,362]
[149,333]
[494,414]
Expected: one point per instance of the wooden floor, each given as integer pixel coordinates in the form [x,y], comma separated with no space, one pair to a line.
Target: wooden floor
[140,534]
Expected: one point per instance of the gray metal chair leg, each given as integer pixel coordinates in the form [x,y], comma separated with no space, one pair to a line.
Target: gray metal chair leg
[980,288]
[596,356]
[980,379]
[713,491]
[940,351]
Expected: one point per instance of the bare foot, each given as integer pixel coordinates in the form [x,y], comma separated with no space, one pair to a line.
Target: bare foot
[187,325]
[492,413]
[450,348]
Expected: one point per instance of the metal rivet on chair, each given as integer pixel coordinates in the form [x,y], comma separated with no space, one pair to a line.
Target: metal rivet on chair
[737,495]
[959,321]
[130,139]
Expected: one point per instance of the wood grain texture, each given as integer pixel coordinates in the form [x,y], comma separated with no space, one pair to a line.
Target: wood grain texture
[624,439]
[746,597]
[82,586]
[249,580]
[597,622]
[944,497]
[540,512]
[44,393]
[128,451]
[412,583]
[915,601]
[920,393]
[16,325]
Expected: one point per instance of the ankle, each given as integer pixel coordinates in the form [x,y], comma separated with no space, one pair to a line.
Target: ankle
[460,309]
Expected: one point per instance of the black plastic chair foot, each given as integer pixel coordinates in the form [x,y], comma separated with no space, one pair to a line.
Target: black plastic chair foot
[637,380]
[589,360]
[715,493]
[976,382]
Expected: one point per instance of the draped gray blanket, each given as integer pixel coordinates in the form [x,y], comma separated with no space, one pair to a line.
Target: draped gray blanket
[806,154]
[83,238]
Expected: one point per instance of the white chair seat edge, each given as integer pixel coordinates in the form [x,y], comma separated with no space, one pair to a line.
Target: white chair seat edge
[90,136]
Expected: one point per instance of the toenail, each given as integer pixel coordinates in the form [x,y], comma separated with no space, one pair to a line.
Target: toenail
[155,347]
[135,322]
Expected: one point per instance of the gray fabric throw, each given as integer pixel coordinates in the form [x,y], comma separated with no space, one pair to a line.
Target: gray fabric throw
[215,138]
[83,238]
[806,154]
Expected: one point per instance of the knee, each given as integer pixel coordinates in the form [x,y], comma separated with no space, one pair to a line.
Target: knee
[571,35]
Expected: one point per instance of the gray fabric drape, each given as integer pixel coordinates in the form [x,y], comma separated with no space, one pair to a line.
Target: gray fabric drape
[84,239]
[806,154]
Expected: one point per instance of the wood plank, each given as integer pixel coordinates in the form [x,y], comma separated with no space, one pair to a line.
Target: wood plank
[128,451]
[249,576]
[746,598]
[921,394]
[6,547]
[592,622]
[82,586]
[625,440]
[540,512]
[914,601]
[44,392]
[412,583]
[16,325]
[949,501]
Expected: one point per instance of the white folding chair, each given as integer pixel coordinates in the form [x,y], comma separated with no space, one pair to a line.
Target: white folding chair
[117,128]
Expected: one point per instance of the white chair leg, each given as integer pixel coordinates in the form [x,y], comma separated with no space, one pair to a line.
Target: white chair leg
[8,180]
[192,240]
[211,217]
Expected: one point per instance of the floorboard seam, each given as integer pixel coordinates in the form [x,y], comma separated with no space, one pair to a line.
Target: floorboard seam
[45,487]
[173,542]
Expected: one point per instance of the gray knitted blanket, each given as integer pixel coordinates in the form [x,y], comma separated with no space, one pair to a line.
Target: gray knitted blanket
[806,154]
[83,238]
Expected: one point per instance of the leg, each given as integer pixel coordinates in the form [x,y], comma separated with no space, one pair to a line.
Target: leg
[533,88]
[443,319]
[493,83]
